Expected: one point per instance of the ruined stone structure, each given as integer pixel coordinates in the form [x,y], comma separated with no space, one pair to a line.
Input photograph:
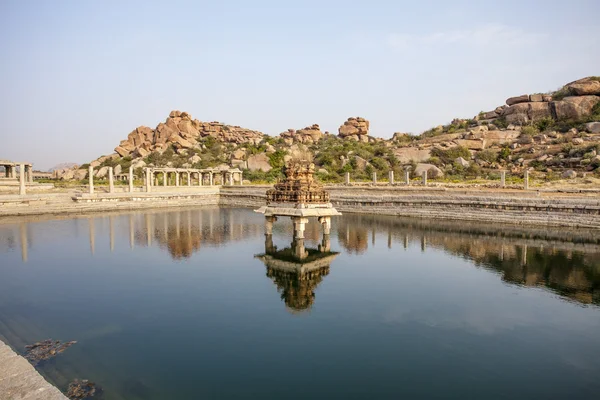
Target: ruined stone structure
[298,187]
[10,174]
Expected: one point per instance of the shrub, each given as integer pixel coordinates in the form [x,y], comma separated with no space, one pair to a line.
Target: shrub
[449,155]
[504,153]
[501,123]
[487,155]
[529,130]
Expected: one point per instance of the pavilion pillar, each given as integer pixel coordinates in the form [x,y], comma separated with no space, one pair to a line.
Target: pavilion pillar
[299,249]
[22,179]
[111,180]
[502,178]
[30,173]
[325,245]
[326,223]
[374,178]
[210,177]
[526,180]
[241,178]
[269,247]
[424,178]
[391,177]
[200,178]
[176,178]
[231,178]
[347,178]
[269,220]
[407,177]
[164,178]
[131,179]
[299,227]
[91,179]
[189,177]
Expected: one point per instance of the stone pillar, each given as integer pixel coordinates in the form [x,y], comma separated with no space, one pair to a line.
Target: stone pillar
[325,245]
[269,224]
[22,179]
[407,177]
[299,227]
[424,178]
[200,176]
[131,179]
[299,249]
[526,180]
[326,223]
[91,179]
[347,178]
[374,178]
[391,177]
[176,178]
[231,178]
[164,178]
[30,173]
[503,178]
[189,177]
[210,178]
[111,180]
[241,178]
[148,180]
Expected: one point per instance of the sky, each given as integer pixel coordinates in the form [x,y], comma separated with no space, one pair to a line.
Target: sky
[76,77]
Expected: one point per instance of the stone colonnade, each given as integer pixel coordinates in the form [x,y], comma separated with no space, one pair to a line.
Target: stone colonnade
[10,174]
[174,175]
[424,177]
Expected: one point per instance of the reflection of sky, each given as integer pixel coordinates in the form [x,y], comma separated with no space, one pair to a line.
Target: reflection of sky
[385,320]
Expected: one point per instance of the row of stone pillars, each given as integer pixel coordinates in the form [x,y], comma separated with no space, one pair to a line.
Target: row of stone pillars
[25,175]
[111,179]
[407,180]
[299,225]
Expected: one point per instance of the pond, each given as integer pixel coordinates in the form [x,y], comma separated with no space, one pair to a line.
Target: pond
[199,304]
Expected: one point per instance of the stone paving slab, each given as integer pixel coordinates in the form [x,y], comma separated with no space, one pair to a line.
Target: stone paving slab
[20,381]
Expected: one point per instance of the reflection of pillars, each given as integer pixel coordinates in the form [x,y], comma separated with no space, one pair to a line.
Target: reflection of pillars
[503,178]
[166,225]
[130,179]
[111,180]
[189,179]
[269,220]
[423,243]
[111,232]
[131,231]
[299,227]
[502,252]
[389,239]
[269,247]
[22,179]
[405,242]
[148,231]
[178,223]
[189,224]
[325,245]
[91,179]
[230,223]
[298,248]
[24,242]
[210,223]
[92,236]
[524,255]
[391,177]
[373,237]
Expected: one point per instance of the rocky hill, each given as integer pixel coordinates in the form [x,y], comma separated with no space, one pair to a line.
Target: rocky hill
[555,134]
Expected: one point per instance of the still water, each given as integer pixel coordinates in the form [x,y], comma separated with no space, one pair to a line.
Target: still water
[186,305]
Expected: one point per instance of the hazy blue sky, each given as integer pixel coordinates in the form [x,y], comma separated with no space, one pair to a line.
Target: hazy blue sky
[77,76]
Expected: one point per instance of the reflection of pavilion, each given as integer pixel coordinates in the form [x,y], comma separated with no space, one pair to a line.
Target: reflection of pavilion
[297,271]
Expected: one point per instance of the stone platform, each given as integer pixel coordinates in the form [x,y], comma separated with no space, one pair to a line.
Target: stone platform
[20,381]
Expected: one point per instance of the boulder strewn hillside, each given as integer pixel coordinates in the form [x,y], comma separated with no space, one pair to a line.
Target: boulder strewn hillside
[556,134]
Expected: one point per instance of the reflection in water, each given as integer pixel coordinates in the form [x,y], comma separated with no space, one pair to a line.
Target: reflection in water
[564,261]
[297,270]
[528,257]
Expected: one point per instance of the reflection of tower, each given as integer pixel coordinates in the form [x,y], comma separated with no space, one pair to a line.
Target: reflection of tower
[297,271]
[355,239]
[24,241]
[92,236]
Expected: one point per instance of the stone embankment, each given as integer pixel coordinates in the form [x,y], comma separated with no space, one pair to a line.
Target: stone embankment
[501,206]
[20,380]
